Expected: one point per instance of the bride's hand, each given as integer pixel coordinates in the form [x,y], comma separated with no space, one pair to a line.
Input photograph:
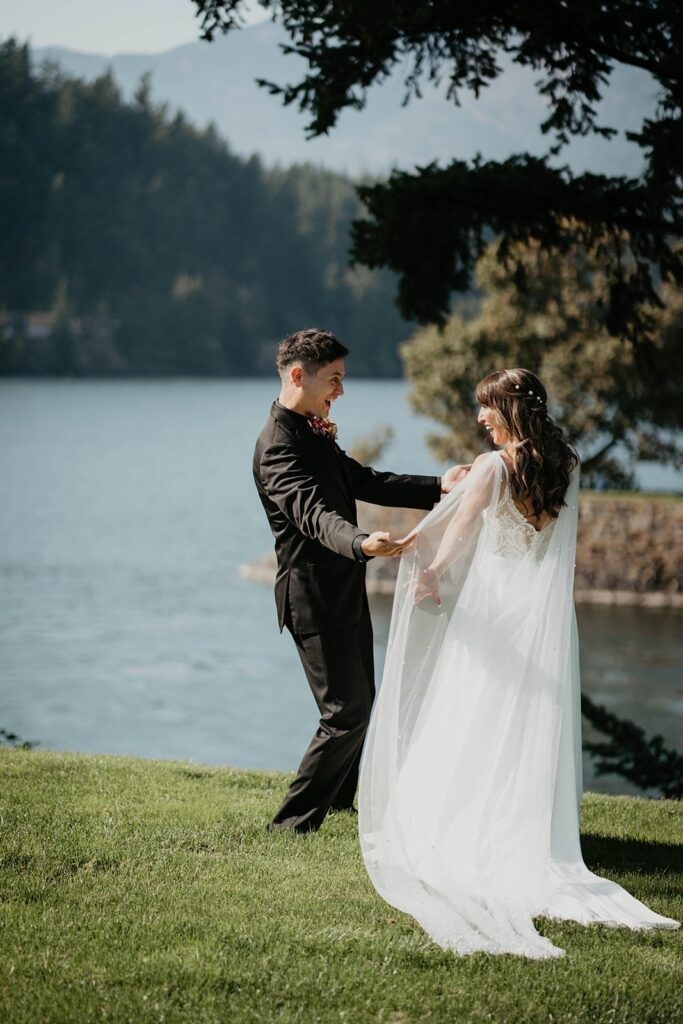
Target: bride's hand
[408,541]
[427,586]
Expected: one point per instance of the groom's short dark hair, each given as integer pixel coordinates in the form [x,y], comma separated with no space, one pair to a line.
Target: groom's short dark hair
[312,347]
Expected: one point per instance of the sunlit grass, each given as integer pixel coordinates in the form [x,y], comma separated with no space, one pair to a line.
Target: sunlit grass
[144,891]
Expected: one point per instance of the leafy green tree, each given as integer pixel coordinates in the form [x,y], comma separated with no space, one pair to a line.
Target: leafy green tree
[617,400]
[432,224]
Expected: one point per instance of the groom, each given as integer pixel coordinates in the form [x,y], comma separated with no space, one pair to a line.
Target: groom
[308,487]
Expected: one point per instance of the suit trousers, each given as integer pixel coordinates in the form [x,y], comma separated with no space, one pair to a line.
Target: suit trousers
[339,667]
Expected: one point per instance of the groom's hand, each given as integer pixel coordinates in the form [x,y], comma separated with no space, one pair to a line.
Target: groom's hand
[453,476]
[380,544]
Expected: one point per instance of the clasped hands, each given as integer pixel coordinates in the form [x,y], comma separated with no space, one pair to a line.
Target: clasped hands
[427,584]
[380,544]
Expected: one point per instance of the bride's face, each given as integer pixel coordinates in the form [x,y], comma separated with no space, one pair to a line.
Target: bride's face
[492,422]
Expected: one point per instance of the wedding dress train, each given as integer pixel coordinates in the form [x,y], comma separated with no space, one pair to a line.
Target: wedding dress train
[471,773]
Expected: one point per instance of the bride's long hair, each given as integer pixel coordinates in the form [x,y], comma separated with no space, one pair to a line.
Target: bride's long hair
[542,456]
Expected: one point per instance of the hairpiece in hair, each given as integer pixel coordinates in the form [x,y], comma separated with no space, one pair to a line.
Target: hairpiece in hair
[529,394]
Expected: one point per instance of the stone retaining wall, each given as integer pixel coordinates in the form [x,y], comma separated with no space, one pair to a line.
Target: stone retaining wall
[629,549]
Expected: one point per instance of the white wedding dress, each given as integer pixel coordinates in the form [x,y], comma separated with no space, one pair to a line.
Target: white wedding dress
[471,774]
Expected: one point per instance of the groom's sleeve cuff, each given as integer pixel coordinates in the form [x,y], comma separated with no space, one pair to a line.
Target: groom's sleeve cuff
[358,552]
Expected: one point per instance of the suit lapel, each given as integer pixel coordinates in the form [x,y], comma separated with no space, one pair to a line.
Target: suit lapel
[327,456]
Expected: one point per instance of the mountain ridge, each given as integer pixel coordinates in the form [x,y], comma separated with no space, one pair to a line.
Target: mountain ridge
[215,83]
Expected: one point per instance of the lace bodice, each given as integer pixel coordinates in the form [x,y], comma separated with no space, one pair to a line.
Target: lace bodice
[513,535]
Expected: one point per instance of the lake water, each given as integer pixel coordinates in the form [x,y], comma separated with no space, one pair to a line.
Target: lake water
[125,627]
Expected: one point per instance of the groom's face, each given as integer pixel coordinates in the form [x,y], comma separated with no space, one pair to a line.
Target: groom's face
[321,387]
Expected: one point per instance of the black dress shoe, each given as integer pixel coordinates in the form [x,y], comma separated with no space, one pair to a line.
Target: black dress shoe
[305,830]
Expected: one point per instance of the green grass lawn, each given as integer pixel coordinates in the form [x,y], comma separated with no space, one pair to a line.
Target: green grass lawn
[150,891]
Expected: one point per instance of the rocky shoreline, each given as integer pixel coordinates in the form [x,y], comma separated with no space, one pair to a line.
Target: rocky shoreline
[629,549]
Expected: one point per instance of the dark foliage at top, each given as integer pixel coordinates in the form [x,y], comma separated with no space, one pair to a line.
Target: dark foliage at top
[431,225]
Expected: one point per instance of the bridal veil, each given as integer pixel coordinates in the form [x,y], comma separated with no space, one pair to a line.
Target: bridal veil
[471,774]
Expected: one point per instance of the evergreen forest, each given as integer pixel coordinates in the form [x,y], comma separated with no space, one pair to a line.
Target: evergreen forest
[133,243]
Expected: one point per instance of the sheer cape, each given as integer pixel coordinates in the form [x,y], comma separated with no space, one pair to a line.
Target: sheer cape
[471,773]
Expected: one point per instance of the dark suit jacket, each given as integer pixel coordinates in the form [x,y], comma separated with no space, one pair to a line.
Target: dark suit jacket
[308,487]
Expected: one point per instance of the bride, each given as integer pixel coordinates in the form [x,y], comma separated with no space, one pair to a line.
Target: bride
[471,774]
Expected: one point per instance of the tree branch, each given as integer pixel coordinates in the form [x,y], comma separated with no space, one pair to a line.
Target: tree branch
[596,457]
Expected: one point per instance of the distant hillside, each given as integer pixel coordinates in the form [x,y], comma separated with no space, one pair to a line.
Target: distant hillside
[215,82]
[133,243]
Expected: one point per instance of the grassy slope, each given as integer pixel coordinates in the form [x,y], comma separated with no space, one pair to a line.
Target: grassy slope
[149,891]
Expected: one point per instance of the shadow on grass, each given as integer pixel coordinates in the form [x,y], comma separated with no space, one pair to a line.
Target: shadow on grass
[631,855]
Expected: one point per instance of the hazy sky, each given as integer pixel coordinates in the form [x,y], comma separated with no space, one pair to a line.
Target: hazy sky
[94,26]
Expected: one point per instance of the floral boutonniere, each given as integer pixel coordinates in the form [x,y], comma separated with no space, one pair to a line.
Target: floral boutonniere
[323,427]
